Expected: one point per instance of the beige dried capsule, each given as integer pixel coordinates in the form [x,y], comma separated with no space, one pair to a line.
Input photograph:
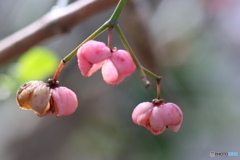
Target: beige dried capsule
[34,95]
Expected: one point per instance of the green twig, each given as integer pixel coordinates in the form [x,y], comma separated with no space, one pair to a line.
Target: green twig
[128,48]
[92,36]
[112,20]
[157,78]
[116,14]
[148,72]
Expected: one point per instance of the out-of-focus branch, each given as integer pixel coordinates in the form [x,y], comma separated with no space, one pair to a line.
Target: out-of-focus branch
[55,22]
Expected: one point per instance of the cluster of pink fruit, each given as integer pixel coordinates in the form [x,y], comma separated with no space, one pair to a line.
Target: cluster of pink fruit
[49,98]
[116,64]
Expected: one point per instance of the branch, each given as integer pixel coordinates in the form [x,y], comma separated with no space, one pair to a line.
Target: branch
[55,22]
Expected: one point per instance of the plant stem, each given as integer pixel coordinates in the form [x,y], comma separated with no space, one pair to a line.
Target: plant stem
[148,72]
[59,69]
[114,17]
[136,61]
[158,89]
[157,78]
[92,36]
[110,37]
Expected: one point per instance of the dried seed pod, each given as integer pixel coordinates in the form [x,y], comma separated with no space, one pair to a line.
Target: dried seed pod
[34,95]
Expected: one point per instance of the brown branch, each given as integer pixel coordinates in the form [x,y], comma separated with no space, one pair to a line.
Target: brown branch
[55,22]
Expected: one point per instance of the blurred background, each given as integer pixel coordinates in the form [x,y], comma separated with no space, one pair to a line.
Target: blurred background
[193,44]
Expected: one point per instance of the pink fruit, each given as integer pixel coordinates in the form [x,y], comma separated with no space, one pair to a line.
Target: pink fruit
[91,56]
[64,101]
[157,116]
[117,67]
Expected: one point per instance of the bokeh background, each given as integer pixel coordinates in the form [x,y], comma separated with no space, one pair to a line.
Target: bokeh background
[193,44]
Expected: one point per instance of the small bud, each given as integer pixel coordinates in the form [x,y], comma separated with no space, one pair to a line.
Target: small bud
[156,117]
[91,56]
[34,95]
[117,67]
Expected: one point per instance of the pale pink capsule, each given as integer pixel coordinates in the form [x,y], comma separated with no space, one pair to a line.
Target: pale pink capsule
[123,62]
[91,56]
[156,117]
[109,72]
[64,101]
[169,113]
[117,67]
